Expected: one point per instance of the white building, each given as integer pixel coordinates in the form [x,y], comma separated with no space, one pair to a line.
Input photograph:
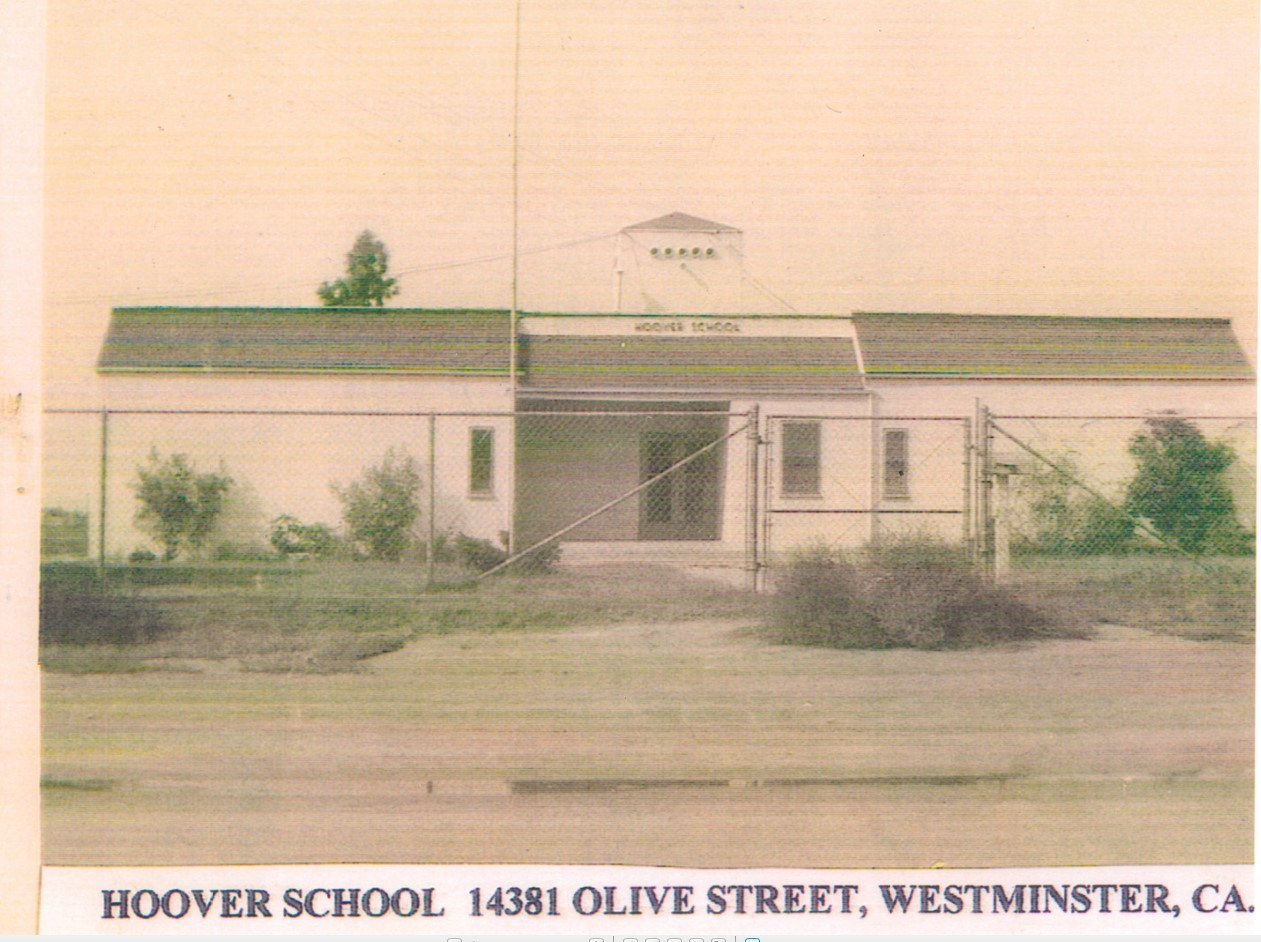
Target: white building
[862,420]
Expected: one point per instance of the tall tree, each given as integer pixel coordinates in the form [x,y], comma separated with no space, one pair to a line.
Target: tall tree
[367,283]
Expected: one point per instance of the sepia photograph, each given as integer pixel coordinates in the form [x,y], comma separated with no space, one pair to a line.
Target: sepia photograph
[682,434]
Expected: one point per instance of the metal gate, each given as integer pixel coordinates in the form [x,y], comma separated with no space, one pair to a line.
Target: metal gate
[846,481]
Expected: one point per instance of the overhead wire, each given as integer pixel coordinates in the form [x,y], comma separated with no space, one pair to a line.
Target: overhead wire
[236,51]
[239,50]
[415,269]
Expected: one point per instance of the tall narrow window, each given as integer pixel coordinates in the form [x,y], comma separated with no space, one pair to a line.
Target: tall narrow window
[800,457]
[897,465]
[481,461]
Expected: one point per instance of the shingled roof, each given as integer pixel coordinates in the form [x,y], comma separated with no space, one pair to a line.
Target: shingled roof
[387,340]
[964,345]
[366,340]
[738,365]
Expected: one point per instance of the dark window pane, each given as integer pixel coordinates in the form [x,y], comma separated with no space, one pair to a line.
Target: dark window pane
[897,481]
[800,455]
[481,474]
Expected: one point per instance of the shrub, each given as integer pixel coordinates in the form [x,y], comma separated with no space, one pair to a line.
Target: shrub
[542,560]
[241,552]
[1055,517]
[483,555]
[142,556]
[480,555]
[291,537]
[381,508]
[904,593]
[823,600]
[1104,530]
[178,504]
[78,606]
[1180,486]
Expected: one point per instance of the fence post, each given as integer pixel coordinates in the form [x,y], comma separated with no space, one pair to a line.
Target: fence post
[766,469]
[430,540]
[754,439]
[967,488]
[100,530]
[985,440]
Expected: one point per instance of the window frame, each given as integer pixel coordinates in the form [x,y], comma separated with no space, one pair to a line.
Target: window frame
[788,486]
[898,488]
[476,432]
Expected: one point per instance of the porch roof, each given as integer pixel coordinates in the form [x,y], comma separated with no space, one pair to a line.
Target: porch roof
[897,344]
[736,365]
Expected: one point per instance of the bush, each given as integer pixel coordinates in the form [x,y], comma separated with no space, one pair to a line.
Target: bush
[291,537]
[1054,517]
[178,504]
[1180,486]
[142,556]
[1105,530]
[78,606]
[242,552]
[905,593]
[381,508]
[480,555]
[483,555]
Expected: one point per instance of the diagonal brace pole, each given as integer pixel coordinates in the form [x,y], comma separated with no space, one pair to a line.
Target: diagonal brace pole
[615,501]
[1073,479]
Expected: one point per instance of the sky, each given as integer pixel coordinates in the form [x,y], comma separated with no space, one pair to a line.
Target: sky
[1046,157]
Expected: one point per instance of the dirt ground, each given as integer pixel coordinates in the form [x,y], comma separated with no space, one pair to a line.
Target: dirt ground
[692,744]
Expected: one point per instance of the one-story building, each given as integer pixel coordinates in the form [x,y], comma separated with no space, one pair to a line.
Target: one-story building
[780,429]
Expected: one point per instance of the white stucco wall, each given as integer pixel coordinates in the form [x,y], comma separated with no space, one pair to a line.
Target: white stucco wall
[286,464]
[283,463]
[922,396]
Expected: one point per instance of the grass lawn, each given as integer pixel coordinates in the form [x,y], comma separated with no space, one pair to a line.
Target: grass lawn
[1212,598]
[325,616]
[629,716]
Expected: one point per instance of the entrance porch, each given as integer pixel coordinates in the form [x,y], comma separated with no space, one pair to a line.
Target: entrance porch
[574,457]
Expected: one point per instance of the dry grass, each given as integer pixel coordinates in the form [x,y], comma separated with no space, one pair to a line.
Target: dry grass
[1213,598]
[329,616]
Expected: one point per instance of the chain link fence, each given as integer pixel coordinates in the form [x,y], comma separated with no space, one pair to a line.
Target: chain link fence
[1146,520]
[1100,486]
[704,484]
[339,533]
[667,484]
[847,481]
[292,467]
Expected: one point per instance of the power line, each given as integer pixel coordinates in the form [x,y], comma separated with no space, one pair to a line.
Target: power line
[753,279]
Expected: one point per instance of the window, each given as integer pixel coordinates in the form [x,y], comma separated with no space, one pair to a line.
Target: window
[481,461]
[897,466]
[800,455]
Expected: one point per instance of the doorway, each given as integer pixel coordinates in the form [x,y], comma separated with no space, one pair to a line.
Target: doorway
[683,505]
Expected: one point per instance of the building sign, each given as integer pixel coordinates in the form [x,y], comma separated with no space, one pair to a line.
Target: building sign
[682,326]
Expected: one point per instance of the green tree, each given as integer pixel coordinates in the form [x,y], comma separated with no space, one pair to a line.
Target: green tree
[367,283]
[380,508]
[178,504]
[1180,486]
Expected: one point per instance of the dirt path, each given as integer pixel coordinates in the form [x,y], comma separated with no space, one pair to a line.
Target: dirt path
[1128,747]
